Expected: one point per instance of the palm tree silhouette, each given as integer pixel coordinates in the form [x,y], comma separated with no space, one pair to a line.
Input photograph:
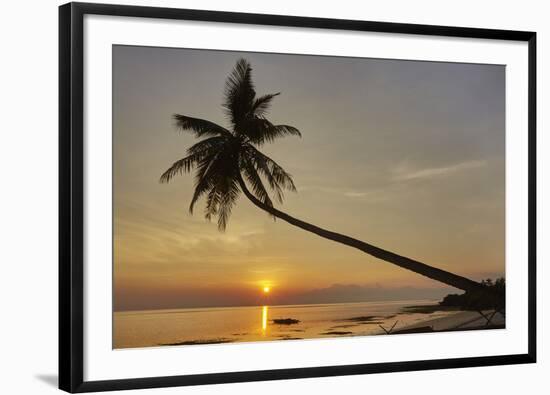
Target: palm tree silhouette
[226,158]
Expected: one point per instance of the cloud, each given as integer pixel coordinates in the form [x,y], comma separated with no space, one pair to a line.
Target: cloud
[353,194]
[316,188]
[392,185]
[373,195]
[403,173]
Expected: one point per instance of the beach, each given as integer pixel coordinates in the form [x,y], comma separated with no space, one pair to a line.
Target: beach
[460,320]
[201,326]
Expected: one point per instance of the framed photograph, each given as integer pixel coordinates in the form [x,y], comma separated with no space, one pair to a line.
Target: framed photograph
[251,197]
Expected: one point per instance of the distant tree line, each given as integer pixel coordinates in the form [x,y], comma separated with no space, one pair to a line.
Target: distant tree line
[478,300]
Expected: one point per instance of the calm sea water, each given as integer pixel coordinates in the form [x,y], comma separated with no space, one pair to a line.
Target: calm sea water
[260,323]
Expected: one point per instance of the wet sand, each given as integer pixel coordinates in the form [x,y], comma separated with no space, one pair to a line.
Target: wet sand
[460,320]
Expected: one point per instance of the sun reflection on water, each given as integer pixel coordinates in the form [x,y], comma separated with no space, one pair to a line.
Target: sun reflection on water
[264,319]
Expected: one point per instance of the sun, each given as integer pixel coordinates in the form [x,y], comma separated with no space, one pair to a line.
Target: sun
[266,290]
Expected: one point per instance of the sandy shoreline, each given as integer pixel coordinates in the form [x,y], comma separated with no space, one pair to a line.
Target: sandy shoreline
[461,320]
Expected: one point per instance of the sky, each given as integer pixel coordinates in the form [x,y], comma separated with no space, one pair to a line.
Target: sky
[405,155]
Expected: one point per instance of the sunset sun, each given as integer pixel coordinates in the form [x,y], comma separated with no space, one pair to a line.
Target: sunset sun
[266,290]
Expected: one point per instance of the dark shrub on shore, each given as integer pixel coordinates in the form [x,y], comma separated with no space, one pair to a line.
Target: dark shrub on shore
[479,300]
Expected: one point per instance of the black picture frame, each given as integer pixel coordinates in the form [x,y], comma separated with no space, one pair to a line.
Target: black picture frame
[71,173]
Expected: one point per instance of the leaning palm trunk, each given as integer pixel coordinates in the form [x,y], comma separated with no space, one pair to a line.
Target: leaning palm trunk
[434,273]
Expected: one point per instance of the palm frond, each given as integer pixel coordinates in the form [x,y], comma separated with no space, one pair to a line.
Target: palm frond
[207,145]
[280,131]
[259,130]
[200,127]
[204,178]
[258,188]
[275,175]
[181,166]
[229,197]
[261,104]
[212,203]
[196,154]
[214,174]
[222,196]
[239,93]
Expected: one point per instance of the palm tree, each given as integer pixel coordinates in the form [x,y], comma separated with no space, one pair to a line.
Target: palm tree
[228,161]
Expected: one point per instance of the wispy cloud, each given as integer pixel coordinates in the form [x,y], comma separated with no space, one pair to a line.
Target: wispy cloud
[404,173]
[353,194]
[370,195]
[315,188]
[393,184]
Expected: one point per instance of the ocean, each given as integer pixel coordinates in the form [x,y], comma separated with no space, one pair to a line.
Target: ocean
[192,326]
